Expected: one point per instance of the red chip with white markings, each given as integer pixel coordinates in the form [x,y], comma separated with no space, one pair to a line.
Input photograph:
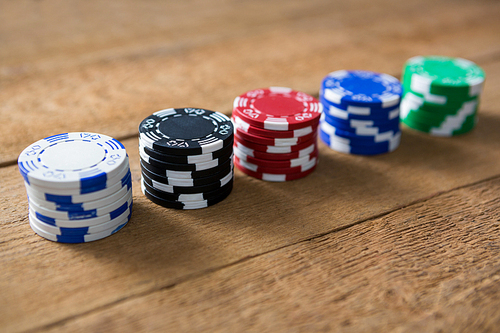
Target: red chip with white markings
[277,109]
[272,156]
[275,149]
[293,162]
[274,170]
[274,141]
[274,177]
[283,167]
[247,128]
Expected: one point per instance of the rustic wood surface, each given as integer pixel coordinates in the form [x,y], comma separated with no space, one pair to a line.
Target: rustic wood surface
[403,242]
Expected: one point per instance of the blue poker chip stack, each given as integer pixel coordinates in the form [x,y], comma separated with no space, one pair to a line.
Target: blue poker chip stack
[361,112]
[79,186]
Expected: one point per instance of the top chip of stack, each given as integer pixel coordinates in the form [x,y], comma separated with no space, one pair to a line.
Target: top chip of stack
[441,94]
[276,133]
[361,112]
[186,157]
[79,186]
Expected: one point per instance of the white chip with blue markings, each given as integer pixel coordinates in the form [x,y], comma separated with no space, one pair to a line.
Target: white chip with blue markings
[79,186]
[72,160]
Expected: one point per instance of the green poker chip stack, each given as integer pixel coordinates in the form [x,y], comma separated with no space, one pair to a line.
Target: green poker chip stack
[441,94]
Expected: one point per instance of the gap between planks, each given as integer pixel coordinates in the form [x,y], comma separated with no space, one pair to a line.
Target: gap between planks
[208,271]
[486,58]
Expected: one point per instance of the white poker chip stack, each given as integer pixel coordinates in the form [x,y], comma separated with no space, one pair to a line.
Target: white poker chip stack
[79,186]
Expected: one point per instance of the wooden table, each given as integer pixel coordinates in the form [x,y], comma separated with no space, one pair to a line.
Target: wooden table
[403,242]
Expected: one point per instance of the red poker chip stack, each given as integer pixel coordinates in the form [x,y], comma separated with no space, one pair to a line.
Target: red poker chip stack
[275,136]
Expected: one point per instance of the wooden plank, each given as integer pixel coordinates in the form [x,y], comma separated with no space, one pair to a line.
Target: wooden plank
[39,34]
[73,31]
[161,247]
[43,283]
[112,94]
[433,266]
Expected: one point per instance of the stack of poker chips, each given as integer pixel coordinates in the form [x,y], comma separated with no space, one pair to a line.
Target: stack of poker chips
[361,112]
[276,133]
[186,157]
[441,95]
[79,186]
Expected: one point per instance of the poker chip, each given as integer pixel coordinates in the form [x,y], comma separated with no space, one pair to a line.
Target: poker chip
[75,198]
[441,95]
[185,189]
[278,142]
[117,206]
[216,177]
[187,204]
[273,156]
[72,160]
[84,206]
[274,170]
[125,208]
[195,167]
[246,127]
[346,146]
[277,108]
[187,131]
[361,127]
[361,112]
[186,157]
[370,136]
[78,185]
[277,164]
[275,133]
[185,197]
[186,174]
[357,112]
[274,177]
[362,89]
[63,231]
[276,149]
[62,237]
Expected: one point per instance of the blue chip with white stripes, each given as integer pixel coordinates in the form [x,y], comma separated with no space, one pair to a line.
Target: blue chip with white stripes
[353,124]
[363,138]
[347,112]
[346,146]
[361,112]
[361,88]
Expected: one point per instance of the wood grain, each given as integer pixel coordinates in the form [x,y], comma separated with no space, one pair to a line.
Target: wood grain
[406,241]
[112,93]
[431,267]
[161,248]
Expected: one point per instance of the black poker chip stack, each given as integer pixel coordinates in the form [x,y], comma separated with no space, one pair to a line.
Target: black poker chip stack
[186,157]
